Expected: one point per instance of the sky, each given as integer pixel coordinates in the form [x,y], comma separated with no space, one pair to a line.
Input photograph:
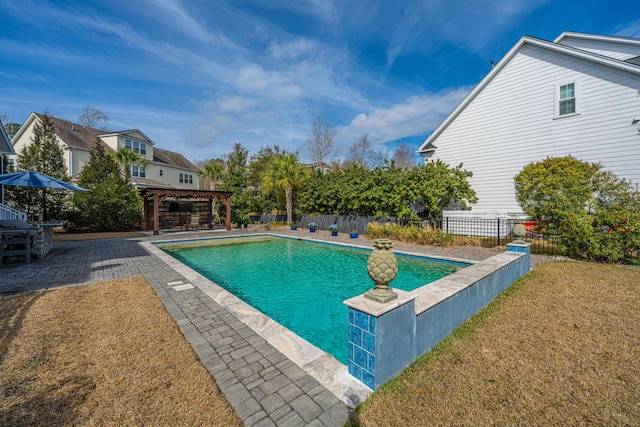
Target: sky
[198,76]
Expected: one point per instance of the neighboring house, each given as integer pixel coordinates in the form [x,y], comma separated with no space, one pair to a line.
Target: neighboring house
[6,148]
[165,168]
[578,95]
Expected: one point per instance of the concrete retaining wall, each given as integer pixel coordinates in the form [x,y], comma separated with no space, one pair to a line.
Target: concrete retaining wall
[384,339]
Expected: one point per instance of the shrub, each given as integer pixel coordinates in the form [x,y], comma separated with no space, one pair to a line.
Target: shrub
[409,234]
[595,214]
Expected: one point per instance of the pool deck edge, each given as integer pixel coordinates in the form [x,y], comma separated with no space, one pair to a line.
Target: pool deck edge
[320,365]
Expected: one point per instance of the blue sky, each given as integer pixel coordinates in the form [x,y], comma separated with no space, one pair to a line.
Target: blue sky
[197,76]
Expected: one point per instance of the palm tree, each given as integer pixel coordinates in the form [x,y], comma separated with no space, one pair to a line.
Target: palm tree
[284,173]
[213,172]
[126,158]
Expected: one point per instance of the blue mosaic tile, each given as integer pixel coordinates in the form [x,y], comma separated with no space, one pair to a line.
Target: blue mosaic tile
[515,248]
[360,357]
[352,316]
[372,324]
[355,371]
[369,342]
[372,363]
[355,335]
[362,320]
[351,346]
[367,379]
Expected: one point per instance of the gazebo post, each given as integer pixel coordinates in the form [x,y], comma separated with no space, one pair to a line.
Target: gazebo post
[156,216]
[228,216]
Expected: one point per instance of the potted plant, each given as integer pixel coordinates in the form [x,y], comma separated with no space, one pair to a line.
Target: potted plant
[353,234]
[334,229]
[312,227]
[293,225]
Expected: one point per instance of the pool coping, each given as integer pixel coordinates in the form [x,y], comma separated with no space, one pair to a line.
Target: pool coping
[322,366]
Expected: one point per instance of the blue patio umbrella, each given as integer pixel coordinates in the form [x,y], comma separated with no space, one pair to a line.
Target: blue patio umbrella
[36,180]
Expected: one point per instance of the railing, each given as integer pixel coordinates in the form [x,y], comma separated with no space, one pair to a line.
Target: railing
[498,232]
[9,213]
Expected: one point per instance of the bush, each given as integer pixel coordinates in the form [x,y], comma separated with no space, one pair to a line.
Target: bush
[595,214]
[409,234]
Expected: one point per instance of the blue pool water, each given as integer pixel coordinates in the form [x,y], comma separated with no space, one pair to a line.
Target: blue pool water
[299,284]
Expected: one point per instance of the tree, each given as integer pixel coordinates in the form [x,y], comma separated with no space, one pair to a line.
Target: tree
[411,195]
[43,155]
[405,157]
[91,118]
[285,174]
[126,158]
[261,201]
[321,141]
[594,213]
[9,126]
[100,166]
[113,204]
[363,154]
[235,180]
[212,173]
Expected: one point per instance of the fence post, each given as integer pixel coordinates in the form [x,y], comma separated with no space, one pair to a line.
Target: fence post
[498,231]
[447,225]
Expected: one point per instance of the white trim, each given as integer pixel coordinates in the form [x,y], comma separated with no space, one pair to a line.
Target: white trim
[597,37]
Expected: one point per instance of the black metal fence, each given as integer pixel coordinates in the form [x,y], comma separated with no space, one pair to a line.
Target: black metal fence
[490,232]
[499,232]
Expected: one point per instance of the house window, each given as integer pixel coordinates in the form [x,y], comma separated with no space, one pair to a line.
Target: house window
[186,178]
[567,99]
[138,171]
[136,146]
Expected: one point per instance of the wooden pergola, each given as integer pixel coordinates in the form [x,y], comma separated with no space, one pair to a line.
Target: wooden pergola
[154,196]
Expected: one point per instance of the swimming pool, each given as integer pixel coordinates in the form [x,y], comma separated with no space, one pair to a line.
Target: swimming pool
[299,284]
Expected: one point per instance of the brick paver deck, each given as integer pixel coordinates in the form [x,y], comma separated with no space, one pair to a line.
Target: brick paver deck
[263,385]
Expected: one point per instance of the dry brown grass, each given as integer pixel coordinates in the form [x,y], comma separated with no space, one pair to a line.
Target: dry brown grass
[64,237]
[561,347]
[104,354]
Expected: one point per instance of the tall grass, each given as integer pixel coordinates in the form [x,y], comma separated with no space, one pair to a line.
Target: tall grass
[417,235]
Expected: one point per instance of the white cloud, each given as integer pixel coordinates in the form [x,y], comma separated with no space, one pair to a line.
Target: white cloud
[236,104]
[417,115]
[631,29]
[254,79]
[294,49]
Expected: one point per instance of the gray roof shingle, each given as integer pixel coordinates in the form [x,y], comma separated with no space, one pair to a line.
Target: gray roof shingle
[81,137]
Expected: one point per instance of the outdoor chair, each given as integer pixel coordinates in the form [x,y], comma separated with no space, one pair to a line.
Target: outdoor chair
[195,222]
[16,239]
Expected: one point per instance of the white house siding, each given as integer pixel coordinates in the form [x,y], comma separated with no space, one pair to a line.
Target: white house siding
[24,140]
[78,159]
[612,50]
[511,123]
[171,176]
